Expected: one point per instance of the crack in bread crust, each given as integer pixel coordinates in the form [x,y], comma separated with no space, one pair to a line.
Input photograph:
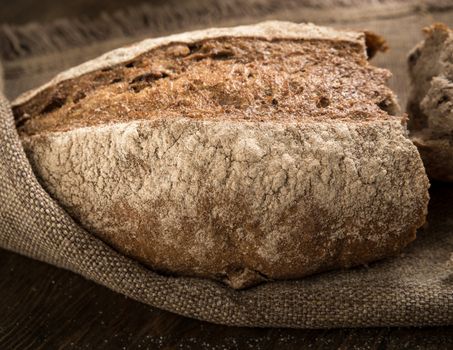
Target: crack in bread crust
[227,78]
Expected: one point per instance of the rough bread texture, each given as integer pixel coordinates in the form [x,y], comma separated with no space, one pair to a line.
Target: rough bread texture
[220,78]
[431,101]
[277,165]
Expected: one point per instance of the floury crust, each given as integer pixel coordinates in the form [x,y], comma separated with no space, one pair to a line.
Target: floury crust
[236,200]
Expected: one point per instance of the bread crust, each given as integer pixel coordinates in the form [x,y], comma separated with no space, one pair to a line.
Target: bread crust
[269,30]
[238,201]
[430,104]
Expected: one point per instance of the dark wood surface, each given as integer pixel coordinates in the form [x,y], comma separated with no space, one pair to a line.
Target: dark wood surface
[24,11]
[43,307]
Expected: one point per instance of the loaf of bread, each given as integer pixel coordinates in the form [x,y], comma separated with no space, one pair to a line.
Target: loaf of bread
[430,104]
[245,154]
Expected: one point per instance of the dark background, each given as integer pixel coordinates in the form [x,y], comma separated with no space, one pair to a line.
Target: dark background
[23,11]
[43,307]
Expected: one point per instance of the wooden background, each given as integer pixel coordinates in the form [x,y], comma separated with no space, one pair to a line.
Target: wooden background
[24,11]
[43,307]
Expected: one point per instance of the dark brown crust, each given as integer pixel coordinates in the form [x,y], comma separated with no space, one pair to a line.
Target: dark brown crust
[236,268]
[374,44]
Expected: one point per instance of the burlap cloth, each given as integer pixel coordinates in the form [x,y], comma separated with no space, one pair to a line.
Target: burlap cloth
[413,289]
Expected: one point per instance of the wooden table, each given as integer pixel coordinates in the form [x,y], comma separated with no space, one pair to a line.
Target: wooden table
[43,307]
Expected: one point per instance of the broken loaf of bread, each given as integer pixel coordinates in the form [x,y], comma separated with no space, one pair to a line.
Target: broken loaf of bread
[244,154]
[430,105]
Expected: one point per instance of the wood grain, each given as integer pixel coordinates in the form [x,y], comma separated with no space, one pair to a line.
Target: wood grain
[43,307]
[23,11]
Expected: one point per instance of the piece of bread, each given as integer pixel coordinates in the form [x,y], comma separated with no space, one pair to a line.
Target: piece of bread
[243,154]
[430,105]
